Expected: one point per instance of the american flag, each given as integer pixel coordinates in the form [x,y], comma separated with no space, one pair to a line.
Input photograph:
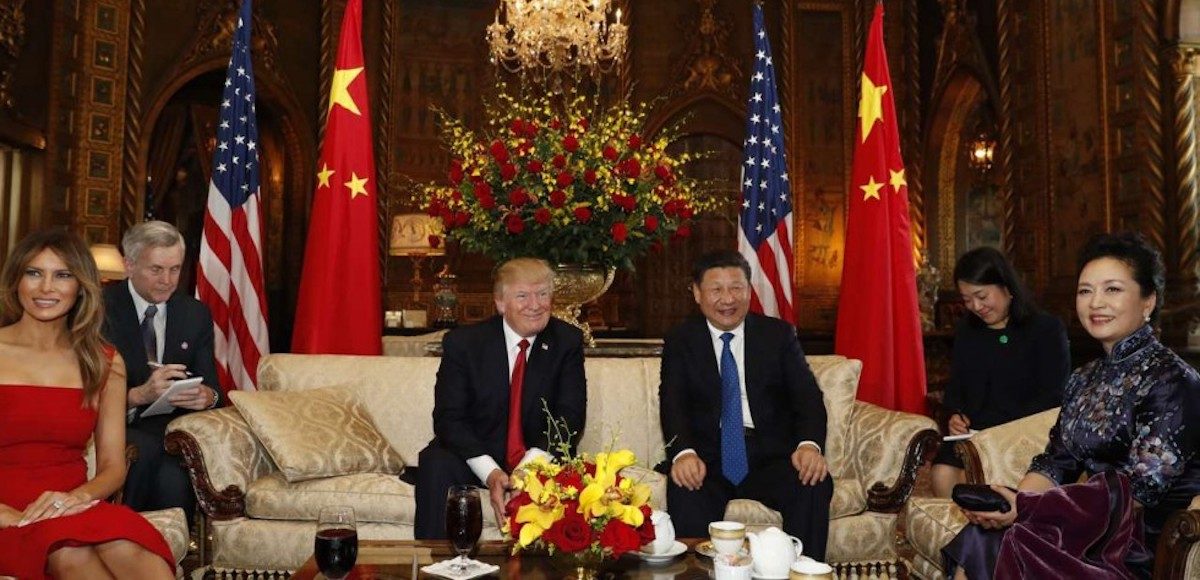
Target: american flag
[765,224]
[230,280]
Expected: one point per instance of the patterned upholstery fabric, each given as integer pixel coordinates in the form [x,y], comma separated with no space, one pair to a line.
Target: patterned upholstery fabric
[1006,450]
[317,433]
[865,445]
[172,524]
[929,524]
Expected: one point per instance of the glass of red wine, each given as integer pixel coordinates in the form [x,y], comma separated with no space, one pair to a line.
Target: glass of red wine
[336,546]
[464,522]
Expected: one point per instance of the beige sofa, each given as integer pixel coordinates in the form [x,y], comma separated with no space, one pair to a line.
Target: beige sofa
[1001,455]
[259,522]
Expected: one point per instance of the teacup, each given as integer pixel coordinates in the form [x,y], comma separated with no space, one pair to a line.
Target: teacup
[732,567]
[806,568]
[664,533]
[727,537]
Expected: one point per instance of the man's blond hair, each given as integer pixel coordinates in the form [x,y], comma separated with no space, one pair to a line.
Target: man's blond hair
[522,270]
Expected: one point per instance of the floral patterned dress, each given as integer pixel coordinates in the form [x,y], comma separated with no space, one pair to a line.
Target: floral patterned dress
[1137,412]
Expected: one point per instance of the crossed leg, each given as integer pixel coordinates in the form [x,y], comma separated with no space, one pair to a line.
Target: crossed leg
[77,562]
[127,559]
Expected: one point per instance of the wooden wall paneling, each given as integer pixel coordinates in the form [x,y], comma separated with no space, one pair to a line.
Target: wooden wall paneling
[822,98]
[25,46]
[1079,195]
[909,110]
[63,96]
[1006,143]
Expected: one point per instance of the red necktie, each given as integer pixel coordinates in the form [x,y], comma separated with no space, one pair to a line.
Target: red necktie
[516,440]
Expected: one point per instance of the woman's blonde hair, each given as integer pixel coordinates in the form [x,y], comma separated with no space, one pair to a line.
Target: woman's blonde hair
[86,316]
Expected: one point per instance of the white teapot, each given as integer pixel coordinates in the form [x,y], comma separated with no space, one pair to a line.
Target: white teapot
[773,552]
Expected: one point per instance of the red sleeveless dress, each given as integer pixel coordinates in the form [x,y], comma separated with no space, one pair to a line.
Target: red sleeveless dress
[43,434]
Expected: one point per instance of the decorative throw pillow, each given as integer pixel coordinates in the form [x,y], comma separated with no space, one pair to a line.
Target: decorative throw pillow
[317,433]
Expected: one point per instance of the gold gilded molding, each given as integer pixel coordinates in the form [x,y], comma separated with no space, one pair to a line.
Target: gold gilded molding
[131,186]
[1184,65]
[707,64]
[1152,215]
[218,21]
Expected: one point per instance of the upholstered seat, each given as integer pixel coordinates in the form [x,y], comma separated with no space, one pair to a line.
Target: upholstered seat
[260,521]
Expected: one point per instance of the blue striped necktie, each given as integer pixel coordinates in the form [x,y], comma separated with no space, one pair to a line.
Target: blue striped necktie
[733,441]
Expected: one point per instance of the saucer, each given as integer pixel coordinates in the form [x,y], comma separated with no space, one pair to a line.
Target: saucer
[707,550]
[676,549]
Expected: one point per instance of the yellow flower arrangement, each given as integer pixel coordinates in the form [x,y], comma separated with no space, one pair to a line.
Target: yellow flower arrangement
[577,183]
[580,505]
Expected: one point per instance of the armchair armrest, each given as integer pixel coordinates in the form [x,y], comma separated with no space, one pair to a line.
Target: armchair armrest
[1001,454]
[887,447]
[222,456]
[1179,539]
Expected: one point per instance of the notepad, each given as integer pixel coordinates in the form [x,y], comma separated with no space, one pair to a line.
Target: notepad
[163,404]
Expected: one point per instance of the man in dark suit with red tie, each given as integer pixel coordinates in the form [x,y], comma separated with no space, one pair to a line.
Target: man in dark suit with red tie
[495,381]
[742,412]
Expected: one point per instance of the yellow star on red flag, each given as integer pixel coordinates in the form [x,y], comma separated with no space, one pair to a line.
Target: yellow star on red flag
[870,105]
[897,180]
[339,92]
[357,185]
[871,189]
[323,175]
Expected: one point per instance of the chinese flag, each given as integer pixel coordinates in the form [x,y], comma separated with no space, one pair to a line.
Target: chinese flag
[878,321]
[340,307]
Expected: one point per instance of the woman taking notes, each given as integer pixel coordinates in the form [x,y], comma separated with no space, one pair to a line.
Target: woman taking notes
[1010,359]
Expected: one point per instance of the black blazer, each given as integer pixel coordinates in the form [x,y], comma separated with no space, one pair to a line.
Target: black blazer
[785,402]
[470,410]
[188,340]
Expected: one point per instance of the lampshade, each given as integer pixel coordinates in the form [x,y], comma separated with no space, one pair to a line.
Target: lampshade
[108,261]
[415,234]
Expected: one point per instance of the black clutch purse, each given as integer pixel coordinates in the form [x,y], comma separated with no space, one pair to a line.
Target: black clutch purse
[978,497]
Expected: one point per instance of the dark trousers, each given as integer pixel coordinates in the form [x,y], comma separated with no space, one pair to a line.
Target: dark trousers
[772,481]
[157,480]
[438,469]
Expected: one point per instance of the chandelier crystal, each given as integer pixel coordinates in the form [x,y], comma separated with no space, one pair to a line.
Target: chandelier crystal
[554,36]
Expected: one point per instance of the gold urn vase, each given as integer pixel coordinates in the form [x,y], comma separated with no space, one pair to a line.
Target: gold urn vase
[576,285]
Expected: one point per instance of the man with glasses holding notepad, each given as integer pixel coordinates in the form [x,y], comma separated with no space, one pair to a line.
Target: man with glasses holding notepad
[164,337]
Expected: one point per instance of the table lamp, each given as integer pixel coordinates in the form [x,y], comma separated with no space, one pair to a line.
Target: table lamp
[417,236]
[109,262]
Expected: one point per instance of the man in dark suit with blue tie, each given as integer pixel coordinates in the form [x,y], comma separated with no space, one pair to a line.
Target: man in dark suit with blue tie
[495,381]
[163,337]
[742,412]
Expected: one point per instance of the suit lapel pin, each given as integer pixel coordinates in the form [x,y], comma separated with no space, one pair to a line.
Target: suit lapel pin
[545,346]
[184,346]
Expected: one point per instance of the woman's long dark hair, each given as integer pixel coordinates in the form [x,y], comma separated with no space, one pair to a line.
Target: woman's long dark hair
[86,316]
[983,266]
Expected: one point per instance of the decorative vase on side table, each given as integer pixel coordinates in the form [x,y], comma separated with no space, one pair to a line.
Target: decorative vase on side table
[576,285]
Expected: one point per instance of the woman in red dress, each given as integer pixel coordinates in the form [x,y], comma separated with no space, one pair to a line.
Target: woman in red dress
[61,385]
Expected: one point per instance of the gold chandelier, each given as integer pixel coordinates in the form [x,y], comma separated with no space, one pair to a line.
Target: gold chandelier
[553,36]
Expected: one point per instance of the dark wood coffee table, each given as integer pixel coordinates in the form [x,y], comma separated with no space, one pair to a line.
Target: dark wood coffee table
[379,559]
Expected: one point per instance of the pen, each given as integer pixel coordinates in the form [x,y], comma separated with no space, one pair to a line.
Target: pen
[158,365]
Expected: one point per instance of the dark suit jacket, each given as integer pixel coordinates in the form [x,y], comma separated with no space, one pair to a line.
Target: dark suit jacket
[188,341]
[470,411]
[785,401]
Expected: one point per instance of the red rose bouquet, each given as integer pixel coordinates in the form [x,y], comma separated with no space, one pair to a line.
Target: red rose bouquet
[575,184]
[580,506]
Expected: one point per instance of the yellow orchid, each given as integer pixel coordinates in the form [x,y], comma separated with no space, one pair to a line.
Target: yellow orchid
[603,496]
[544,510]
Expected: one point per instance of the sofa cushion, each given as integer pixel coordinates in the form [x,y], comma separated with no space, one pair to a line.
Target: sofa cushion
[375,497]
[317,433]
[838,378]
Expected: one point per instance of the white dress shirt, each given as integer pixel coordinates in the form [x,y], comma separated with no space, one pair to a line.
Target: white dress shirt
[483,465]
[738,347]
